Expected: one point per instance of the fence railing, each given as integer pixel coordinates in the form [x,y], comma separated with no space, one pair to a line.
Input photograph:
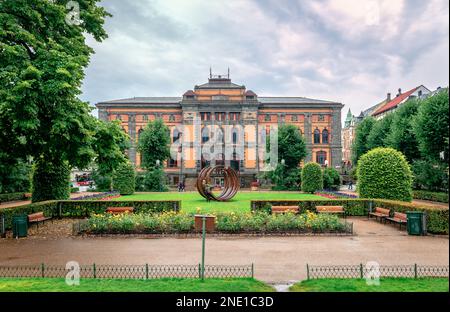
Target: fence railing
[145,271]
[366,271]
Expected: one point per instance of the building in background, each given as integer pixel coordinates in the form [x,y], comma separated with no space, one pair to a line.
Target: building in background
[237,118]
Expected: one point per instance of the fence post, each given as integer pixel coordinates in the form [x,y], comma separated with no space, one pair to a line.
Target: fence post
[253,271]
[199,270]
[415,270]
[361,271]
[42,270]
[146,271]
[3,233]
[307,272]
[95,271]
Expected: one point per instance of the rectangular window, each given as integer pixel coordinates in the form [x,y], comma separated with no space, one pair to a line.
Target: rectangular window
[205,116]
[220,116]
[235,116]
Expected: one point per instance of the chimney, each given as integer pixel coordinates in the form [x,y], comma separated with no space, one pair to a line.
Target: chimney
[399,91]
[388,99]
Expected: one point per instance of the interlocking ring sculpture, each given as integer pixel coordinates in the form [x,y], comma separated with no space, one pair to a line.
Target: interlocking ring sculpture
[230,187]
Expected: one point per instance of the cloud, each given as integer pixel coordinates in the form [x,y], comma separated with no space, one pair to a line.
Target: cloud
[350,51]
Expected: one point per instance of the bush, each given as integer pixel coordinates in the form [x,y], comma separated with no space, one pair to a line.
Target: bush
[331,179]
[74,189]
[429,175]
[49,208]
[312,179]
[124,179]
[51,180]
[102,182]
[286,179]
[433,196]
[384,173]
[153,180]
[11,197]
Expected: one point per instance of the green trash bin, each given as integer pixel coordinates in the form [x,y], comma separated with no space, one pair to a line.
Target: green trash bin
[415,223]
[20,225]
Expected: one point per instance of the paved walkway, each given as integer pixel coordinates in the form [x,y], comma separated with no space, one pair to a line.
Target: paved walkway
[277,259]
[27,202]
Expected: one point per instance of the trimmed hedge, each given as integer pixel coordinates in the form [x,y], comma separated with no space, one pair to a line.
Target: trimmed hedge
[51,181]
[312,178]
[78,209]
[384,173]
[124,179]
[433,196]
[11,197]
[437,217]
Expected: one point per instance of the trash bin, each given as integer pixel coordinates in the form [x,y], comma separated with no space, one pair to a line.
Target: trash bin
[20,226]
[415,223]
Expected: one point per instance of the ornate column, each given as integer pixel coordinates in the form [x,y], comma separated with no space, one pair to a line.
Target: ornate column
[336,139]
[308,135]
[132,134]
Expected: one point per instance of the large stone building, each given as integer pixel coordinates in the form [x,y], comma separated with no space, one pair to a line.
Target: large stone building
[237,120]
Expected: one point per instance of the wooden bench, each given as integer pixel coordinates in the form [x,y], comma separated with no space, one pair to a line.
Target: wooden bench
[331,210]
[284,209]
[119,210]
[399,218]
[380,213]
[37,218]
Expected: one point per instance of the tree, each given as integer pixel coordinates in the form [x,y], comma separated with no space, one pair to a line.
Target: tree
[109,144]
[431,126]
[384,173]
[312,179]
[42,61]
[379,133]
[154,144]
[286,179]
[430,175]
[402,136]
[291,146]
[124,179]
[360,145]
[331,179]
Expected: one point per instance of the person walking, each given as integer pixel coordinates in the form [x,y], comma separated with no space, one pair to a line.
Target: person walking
[350,185]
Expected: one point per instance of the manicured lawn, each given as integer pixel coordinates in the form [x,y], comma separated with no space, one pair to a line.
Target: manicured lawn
[115,285]
[240,203]
[386,285]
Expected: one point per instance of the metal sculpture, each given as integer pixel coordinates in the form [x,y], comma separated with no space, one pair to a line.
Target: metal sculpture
[230,187]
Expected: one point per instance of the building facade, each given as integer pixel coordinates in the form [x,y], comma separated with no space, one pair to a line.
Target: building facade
[237,120]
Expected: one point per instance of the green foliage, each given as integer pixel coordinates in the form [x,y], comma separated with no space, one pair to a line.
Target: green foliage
[433,196]
[331,179]
[124,179]
[11,197]
[51,180]
[154,144]
[286,179]
[74,189]
[153,180]
[312,179]
[430,175]
[110,143]
[15,177]
[359,146]
[291,146]
[379,132]
[42,64]
[103,183]
[171,222]
[431,126]
[402,136]
[384,173]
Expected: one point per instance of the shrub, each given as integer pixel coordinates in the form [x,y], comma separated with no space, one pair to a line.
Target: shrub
[433,196]
[331,179]
[153,180]
[384,173]
[74,189]
[11,197]
[124,179]
[312,179]
[286,179]
[102,182]
[430,175]
[51,180]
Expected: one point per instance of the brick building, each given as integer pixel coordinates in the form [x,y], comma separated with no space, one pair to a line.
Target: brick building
[236,119]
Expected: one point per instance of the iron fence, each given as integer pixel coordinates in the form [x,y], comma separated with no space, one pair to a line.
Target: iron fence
[145,271]
[366,271]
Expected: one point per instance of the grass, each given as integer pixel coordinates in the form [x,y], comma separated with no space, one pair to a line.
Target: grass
[240,203]
[386,285]
[118,285]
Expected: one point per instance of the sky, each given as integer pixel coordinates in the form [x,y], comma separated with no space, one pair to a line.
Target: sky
[349,51]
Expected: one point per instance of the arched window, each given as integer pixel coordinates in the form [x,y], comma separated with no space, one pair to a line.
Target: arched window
[219,135]
[176,135]
[262,137]
[139,133]
[321,157]
[234,162]
[205,160]
[325,136]
[317,136]
[171,118]
[205,135]
[234,136]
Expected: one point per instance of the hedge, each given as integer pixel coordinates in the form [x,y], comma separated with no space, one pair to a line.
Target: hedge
[312,178]
[433,196]
[51,181]
[11,197]
[124,179]
[437,217]
[76,209]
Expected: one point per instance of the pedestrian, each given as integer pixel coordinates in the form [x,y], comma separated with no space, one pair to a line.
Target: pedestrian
[350,185]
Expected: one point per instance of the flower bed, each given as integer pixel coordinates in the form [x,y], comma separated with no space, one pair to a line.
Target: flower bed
[100,196]
[175,223]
